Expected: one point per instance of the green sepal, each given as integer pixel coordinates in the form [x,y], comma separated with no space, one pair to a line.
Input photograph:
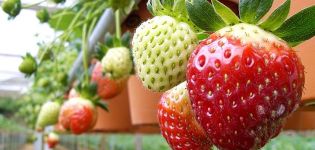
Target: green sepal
[299,27]
[100,51]
[202,14]
[226,13]
[109,40]
[203,35]
[251,11]
[102,104]
[277,18]
[172,8]
[88,91]
[125,39]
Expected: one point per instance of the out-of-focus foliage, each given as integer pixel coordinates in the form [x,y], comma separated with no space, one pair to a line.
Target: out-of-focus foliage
[285,141]
[8,106]
[10,126]
[292,142]
[49,83]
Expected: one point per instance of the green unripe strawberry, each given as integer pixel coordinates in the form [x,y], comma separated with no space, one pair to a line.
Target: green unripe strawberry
[117,63]
[43,15]
[62,78]
[48,115]
[45,54]
[12,7]
[43,82]
[28,65]
[161,48]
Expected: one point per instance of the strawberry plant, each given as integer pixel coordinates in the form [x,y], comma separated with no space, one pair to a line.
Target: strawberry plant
[111,73]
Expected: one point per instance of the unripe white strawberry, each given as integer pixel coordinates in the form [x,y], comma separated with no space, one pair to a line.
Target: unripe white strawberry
[117,62]
[48,115]
[161,48]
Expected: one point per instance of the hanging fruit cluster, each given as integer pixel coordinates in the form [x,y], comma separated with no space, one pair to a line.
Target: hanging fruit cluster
[97,81]
[242,81]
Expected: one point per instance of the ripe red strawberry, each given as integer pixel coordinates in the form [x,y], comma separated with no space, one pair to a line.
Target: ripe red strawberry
[52,140]
[177,121]
[78,115]
[244,81]
[106,88]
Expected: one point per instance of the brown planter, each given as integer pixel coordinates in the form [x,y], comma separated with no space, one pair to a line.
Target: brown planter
[143,106]
[118,117]
[301,120]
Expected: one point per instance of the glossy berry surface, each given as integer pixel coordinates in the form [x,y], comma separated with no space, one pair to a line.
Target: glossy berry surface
[78,115]
[177,121]
[243,83]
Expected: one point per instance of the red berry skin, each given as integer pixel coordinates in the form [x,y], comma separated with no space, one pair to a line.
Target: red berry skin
[177,121]
[106,88]
[242,92]
[78,115]
[52,140]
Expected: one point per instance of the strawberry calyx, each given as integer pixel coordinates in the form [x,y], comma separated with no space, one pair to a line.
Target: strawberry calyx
[294,30]
[172,8]
[89,92]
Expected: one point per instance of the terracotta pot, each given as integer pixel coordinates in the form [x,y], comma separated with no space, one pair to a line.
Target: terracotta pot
[118,117]
[143,103]
[301,120]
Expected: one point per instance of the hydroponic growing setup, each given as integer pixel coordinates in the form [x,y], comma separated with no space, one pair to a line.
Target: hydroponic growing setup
[157,75]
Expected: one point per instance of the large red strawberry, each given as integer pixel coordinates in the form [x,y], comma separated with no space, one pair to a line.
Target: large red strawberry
[78,115]
[106,87]
[245,79]
[177,121]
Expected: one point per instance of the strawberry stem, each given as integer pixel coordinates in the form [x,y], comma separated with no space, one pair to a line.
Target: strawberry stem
[35,4]
[117,22]
[85,55]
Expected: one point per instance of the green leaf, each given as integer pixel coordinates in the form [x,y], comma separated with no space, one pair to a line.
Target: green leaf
[61,20]
[109,40]
[125,39]
[226,13]
[251,11]
[277,18]
[202,36]
[100,51]
[202,14]
[102,104]
[299,27]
